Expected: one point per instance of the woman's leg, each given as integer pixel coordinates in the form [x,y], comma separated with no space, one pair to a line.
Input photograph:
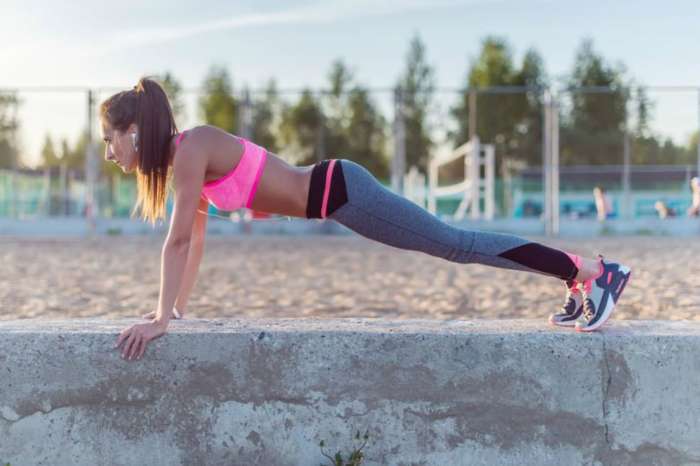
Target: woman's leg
[358,201]
[348,193]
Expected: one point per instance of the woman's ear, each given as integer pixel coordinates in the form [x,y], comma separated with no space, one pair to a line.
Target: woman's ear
[133,131]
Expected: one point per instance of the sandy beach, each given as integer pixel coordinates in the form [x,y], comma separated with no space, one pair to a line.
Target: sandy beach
[326,276]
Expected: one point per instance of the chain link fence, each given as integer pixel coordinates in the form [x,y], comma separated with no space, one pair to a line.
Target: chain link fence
[552,146]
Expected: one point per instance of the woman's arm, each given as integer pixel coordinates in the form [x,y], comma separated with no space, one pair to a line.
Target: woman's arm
[188,176]
[194,257]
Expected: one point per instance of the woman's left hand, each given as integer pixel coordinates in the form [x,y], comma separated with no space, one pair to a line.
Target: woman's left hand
[137,336]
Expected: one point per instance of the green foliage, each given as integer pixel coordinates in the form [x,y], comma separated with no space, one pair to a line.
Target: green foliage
[300,129]
[593,128]
[416,86]
[173,89]
[9,126]
[264,113]
[72,157]
[510,121]
[217,105]
[693,147]
[355,458]
[366,133]
[48,154]
[354,129]
[343,122]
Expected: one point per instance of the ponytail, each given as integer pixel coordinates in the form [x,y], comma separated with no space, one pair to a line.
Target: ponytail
[146,105]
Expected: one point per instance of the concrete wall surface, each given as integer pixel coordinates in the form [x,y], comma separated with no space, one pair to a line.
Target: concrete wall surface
[267,391]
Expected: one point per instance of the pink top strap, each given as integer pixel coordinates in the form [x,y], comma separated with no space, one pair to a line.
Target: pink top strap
[179,138]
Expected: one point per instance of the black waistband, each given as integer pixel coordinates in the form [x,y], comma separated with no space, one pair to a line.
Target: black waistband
[337,195]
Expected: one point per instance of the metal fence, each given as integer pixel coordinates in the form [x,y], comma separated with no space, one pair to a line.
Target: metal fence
[547,157]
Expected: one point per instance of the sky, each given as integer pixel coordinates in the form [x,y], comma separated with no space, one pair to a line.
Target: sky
[111,44]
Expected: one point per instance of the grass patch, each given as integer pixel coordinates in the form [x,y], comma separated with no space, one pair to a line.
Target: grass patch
[355,458]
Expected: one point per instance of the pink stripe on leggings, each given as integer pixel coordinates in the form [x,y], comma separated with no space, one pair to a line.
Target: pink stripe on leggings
[327,189]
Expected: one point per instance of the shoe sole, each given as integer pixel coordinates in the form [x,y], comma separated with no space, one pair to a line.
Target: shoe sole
[609,307]
[554,323]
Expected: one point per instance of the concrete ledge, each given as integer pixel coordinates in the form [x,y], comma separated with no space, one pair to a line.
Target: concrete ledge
[265,392]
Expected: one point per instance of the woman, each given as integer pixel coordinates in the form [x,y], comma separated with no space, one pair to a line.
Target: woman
[602,204]
[208,165]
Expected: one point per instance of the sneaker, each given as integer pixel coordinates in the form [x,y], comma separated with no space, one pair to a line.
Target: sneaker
[600,294]
[572,308]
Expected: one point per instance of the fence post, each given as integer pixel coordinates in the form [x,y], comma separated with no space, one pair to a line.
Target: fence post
[546,165]
[474,170]
[14,210]
[626,204]
[472,114]
[91,207]
[398,161]
[697,173]
[490,180]
[554,173]
[627,210]
[47,192]
[63,174]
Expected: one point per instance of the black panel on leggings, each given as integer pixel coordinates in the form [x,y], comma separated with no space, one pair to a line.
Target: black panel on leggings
[539,257]
[337,195]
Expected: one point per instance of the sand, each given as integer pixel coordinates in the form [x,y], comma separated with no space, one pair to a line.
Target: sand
[327,276]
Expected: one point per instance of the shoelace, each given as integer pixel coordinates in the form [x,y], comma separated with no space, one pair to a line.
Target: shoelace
[588,306]
[588,309]
[570,301]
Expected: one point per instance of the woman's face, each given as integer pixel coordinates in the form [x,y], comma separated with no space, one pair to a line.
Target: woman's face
[119,146]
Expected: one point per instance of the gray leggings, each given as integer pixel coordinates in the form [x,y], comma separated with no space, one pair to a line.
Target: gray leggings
[377,213]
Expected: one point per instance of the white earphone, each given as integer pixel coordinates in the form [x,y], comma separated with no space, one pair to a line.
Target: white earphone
[134,142]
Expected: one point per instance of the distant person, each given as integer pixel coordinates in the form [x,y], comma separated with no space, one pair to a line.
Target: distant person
[209,165]
[602,204]
[694,209]
[664,210]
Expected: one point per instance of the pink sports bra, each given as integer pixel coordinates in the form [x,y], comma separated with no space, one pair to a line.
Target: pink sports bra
[237,188]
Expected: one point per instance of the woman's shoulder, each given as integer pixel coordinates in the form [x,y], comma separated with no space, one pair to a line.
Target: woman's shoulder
[207,135]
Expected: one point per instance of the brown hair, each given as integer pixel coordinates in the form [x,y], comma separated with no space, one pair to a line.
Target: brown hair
[146,105]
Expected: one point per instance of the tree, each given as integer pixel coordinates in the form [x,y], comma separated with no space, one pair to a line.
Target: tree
[366,132]
[417,85]
[217,105]
[644,108]
[9,126]
[49,158]
[343,122]
[592,132]
[300,130]
[264,115]
[512,121]
[173,89]
[75,157]
[353,126]
[336,137]
[527,142]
